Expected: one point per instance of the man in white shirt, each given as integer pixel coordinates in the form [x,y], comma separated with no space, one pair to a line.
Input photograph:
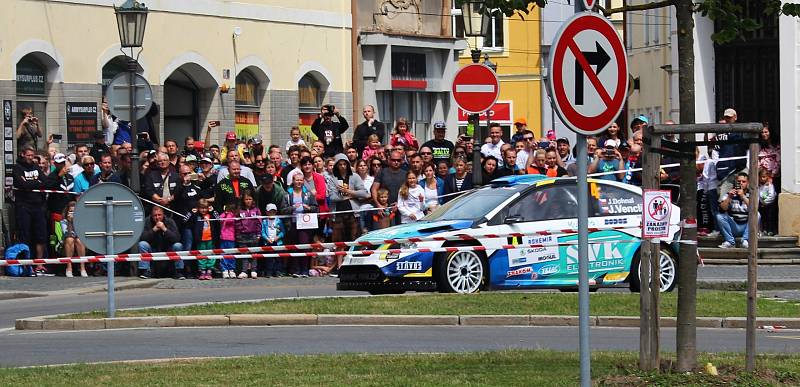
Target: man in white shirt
[233,155]
[493,148]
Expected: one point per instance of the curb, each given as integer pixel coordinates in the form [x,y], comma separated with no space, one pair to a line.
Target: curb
[51,323]
[742,285]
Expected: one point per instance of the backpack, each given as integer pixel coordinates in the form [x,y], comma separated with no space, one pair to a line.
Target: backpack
[18,251]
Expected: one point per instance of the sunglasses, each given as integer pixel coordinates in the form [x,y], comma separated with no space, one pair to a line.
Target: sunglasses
[528,138]
[397,160]
[377,165]
[425,153]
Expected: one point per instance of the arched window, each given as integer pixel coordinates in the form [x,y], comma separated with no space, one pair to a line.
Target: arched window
[246,90]
[31,76]
[309,93]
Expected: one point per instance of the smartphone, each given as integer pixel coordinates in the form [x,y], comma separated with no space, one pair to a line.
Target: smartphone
[216,123]
[736,185]
[142,135]
[57,138]
[544,144]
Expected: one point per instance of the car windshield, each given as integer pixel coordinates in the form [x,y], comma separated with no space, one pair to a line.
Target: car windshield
[474,205]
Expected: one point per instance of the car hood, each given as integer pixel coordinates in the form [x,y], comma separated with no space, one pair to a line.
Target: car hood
[416,229]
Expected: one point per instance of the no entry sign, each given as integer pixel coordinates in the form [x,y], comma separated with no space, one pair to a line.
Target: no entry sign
[588,73]
[475,88]
[656,213]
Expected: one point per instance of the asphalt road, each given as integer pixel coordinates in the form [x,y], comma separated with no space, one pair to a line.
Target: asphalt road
[60,347]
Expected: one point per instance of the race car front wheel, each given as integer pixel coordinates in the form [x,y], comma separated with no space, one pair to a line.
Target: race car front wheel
[669,271]
[460,272]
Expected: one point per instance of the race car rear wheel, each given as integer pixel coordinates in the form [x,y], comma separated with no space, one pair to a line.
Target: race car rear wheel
[460,272]
[669,271]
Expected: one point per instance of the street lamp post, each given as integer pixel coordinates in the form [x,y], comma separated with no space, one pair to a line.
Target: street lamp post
[131,22]
[476,19]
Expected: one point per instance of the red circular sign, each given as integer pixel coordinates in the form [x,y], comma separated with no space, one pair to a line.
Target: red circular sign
[475,88]
[608,103]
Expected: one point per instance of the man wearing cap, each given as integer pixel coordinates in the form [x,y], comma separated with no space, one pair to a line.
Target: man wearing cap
[521,125]
[441,148]
[208,177]
[608,159]
[230,144]
[369,127]
[269,193]
[59,180]
[728,169]
[564,152]
[638,123]
[329,131]
[99,147]
[257,146]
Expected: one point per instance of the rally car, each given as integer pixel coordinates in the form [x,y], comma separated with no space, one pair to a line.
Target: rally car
[523,205]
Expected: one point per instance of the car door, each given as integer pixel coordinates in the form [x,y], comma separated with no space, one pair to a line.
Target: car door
[617,211]
[549,207]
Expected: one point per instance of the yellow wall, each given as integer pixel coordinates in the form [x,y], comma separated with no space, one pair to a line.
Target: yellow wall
[518,67]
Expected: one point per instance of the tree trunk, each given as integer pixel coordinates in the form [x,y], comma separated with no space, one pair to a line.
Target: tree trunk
[686,337]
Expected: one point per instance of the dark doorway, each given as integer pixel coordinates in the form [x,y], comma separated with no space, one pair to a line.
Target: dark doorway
[746,73]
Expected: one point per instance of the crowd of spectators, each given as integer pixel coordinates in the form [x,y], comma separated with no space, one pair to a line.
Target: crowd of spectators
[245,193]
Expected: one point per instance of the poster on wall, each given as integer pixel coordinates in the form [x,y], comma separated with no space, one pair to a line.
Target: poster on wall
[8,137]
[304,123]
[81,122]
[246,124]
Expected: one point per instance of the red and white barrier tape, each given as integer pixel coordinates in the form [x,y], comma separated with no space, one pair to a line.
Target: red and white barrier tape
[251,252]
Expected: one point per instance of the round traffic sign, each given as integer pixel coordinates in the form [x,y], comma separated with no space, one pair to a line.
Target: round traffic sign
[658,208]
[127,216]
[588,70]
[118,95]
[475,88]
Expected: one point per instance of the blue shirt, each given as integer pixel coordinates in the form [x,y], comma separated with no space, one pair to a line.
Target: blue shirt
[82,183]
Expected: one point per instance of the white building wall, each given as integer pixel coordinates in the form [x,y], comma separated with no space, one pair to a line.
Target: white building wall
[789,46]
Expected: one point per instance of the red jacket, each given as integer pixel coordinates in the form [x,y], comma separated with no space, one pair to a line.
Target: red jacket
[322,194]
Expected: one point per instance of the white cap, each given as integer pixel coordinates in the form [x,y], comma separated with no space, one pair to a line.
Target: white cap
[271,207]
[729,113]
[610,142]
[59,158]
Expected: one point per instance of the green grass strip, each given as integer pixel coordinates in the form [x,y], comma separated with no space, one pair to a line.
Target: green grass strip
[709,304]
[501,368]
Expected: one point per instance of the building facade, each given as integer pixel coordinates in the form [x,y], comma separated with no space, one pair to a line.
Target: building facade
[405,56]
[512,43]
[256,66]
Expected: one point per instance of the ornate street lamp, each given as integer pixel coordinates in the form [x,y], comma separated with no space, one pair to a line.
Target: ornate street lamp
[131,22]
[476,22]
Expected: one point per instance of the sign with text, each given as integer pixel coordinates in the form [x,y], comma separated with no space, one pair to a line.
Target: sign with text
[8,137]
[81,122]
[656,213]
[501,112]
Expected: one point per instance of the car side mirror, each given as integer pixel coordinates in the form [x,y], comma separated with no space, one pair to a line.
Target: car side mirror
[513,218]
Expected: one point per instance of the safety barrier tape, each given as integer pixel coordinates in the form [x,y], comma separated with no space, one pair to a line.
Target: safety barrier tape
[259,252]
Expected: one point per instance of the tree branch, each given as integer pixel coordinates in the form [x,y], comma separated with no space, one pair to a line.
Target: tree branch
[639,7]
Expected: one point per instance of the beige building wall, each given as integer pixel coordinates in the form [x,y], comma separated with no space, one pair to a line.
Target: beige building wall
[280,41]
[648,38]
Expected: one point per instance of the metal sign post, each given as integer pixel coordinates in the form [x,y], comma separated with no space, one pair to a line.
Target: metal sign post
[588,99]
[109,219]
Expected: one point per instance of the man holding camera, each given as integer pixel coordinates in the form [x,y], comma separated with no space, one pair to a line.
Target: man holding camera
[608,159]
[29,131]
[733,216]
[329,131]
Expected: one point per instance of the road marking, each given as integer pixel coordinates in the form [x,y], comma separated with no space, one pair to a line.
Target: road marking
[786,337]
[475,88]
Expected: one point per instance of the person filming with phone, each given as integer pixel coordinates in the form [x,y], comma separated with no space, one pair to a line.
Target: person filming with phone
[733,216]
[608,159]
[29,131]
[329,131]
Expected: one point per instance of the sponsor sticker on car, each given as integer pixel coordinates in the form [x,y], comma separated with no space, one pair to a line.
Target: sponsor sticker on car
[533,255]
[520,271]
[409,266]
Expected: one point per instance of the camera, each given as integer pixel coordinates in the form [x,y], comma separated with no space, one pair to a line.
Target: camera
[737,186]
[329,110]
[609,152]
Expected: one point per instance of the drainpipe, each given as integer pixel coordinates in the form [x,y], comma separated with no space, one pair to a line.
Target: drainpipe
[355,64]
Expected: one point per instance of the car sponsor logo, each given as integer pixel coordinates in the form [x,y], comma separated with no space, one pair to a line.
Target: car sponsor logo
[548,269]
[615,221]
[620,206]
[546,253]
[602,255]
[409,266]
[520,271]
